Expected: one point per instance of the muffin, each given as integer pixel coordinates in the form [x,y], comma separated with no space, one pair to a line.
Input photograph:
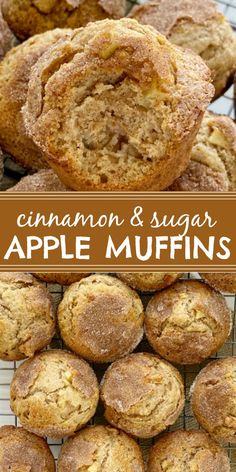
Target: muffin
[221,282]
[148,281]
[213,160]
[195,25]
[44,180]
[21,451]
[142,394]
[127,115]
[101,318]
[27,320]
[61,278]
[29,17]
[7,38]
[54,394]
[213,397]
[187,322]
[14,76]
[100,448]
[188,451]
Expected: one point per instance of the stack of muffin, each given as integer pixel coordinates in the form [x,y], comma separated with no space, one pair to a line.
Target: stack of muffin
[102,320]
[95,101]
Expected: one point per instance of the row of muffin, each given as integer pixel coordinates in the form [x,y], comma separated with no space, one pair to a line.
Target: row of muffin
[102,319]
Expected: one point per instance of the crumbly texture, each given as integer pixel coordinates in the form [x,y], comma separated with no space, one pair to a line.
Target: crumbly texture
[21,451]
[213,397]
[27,319]
[213,160]
[130,106]
[7,38]
[187,451]
[142,394]
[62,278]
[14,76]
[54,394]
[101,318]
[195,25]
[148,281]
[187,322]
[29,17]
[100,449]
[44,180]
[221,282]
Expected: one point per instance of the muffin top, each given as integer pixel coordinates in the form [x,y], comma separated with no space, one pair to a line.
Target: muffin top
[100,448]
[214,399]
[7,38]
[222,282]
[62,278]
[21,451]
[101,318]
[43,181]
[148,281]
[126,77]
[27,320]
[187,451]
[133,389]
[54,394]
[187,322]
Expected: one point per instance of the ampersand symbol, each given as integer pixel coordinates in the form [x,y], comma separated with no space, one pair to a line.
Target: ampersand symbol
[136,220]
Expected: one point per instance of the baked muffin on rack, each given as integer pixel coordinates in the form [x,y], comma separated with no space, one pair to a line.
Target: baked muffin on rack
[222,282]
[21,451]
[61,278]
[100,448]
[137,90]
[29,17]
[148,281]
[199,26]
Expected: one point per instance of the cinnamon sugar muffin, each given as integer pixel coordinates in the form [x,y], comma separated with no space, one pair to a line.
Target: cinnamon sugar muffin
[29,17]
[199,26]
[27,320]
[7,38]
[62,278]
[142,394]
[101,318]
[14,76]
[54,394]
[44,180]
[137,90]
[148,281]
[221,282]
[100,448]
[21,451]
[213,160]
[213,397]
[187,322]
[187,451]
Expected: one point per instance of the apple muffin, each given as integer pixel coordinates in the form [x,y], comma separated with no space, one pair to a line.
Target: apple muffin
[148,281]
[222,282]
[44,180]
[61,278]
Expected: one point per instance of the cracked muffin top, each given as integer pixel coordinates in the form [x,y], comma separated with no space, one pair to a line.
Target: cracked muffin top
[148,281]
[213,398]
[187,322]
[127,115]
[213,159]
[187,451]
[62,278]
[133,389]
[29,17]
[21,451]
[54,394]
[195,25]
[222,282]
[101,318]
[100,449]
[27,320]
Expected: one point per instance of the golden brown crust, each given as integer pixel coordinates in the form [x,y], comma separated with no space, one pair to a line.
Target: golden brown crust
[62,278]
[187,451]
[21,451]
[132,390]
[223,282]
[27,319]
[100,448]
[187,322]
[213,397]
[14,76]
[126,77]
[196,25]
[148,281]
[29,17]
[54,394]
[43,181]
[7,38]
[101,318]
